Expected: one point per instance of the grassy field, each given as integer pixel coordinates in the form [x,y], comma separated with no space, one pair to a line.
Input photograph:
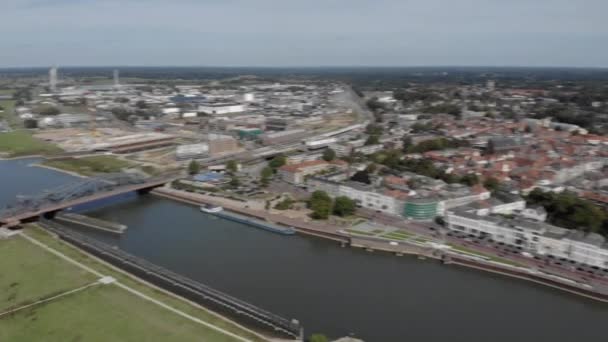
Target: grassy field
[8,112]
[397,235]
[88,166]
[21,143]
[97,313]
[360,232]
[20,260]
[489,256]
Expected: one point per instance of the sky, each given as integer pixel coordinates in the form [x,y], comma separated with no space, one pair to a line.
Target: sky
[303,33]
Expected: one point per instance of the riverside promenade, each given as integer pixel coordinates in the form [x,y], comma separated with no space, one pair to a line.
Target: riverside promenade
[310,228]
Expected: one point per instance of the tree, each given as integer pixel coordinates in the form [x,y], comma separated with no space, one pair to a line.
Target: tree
[567,210]
[329,154]
[318,338]
[278,161]
[194,167]
[30,123]
[372,140]
[371,168]
[265,175]
[320,203]
[372,129]
[121,100]
[344,206]
[361,177]
[284,204]
[49,110]
[374,105]
[232,166]
[141,104]
[407,142]
[491,184]
[235,182]
[469,179]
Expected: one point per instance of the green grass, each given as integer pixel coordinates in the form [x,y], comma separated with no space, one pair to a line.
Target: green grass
[29,273]
[21,143]
[397,235]
[89,165]
[103,313]
[133,318]
[8,112]
[484,255]
[359,232]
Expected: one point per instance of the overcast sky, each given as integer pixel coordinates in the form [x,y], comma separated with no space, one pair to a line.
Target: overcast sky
[304,33]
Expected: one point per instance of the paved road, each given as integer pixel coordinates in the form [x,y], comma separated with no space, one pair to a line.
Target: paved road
[541,263]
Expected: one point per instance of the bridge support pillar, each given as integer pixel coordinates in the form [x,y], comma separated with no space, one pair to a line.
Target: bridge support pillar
[50,215]
[144,191]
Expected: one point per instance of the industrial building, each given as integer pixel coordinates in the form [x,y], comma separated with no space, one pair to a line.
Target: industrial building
[221,144]
[296,173]
[134,143]
[192,151]
[220,108]
[282,137]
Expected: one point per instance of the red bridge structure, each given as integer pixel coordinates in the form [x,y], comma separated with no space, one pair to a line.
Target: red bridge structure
[47,204]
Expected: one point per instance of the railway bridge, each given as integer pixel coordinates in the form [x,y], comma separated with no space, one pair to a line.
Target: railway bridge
[48,203]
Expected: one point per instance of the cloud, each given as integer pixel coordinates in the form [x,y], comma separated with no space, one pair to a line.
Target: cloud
[313,32]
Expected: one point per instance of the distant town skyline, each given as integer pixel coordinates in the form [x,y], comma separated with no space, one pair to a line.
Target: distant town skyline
[43,33]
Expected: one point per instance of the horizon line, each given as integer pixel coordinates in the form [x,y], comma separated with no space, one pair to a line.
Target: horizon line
[307,66]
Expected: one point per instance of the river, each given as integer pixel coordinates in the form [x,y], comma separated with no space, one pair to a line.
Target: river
[334,290]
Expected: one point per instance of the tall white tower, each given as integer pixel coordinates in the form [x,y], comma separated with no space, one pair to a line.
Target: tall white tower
[116,78]
[53,79]
[491,85]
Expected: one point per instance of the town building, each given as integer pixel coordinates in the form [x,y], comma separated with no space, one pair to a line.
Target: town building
[296,173]
[192,151]
[221,108]
[221,144]
[533,236]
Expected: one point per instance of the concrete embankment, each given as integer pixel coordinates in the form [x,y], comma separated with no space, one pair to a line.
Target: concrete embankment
[564,285]
[90,222]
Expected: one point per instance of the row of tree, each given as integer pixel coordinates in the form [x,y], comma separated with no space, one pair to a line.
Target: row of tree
[432,145]
[322,205]
[567,210]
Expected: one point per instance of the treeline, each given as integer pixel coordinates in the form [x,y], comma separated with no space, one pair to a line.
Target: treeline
[425,167]
[432,145]
[567,210]
[590,121]
[322,205]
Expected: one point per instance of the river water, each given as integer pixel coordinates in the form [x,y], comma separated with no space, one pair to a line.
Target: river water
[333,290]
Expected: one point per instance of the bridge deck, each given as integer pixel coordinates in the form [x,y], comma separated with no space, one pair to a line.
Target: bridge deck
[6,220]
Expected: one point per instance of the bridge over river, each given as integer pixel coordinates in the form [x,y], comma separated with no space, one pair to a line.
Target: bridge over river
[86,190]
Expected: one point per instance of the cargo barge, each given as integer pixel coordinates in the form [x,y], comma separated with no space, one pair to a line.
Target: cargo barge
[271,227]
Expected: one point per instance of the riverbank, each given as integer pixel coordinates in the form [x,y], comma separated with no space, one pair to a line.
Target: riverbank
[400,248]
[308,228]
[22,143]
[56,169]
[77,290]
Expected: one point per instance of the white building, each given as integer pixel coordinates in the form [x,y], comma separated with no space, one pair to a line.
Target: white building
[192,151]
[363,195]
[533,236]
[221,108]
